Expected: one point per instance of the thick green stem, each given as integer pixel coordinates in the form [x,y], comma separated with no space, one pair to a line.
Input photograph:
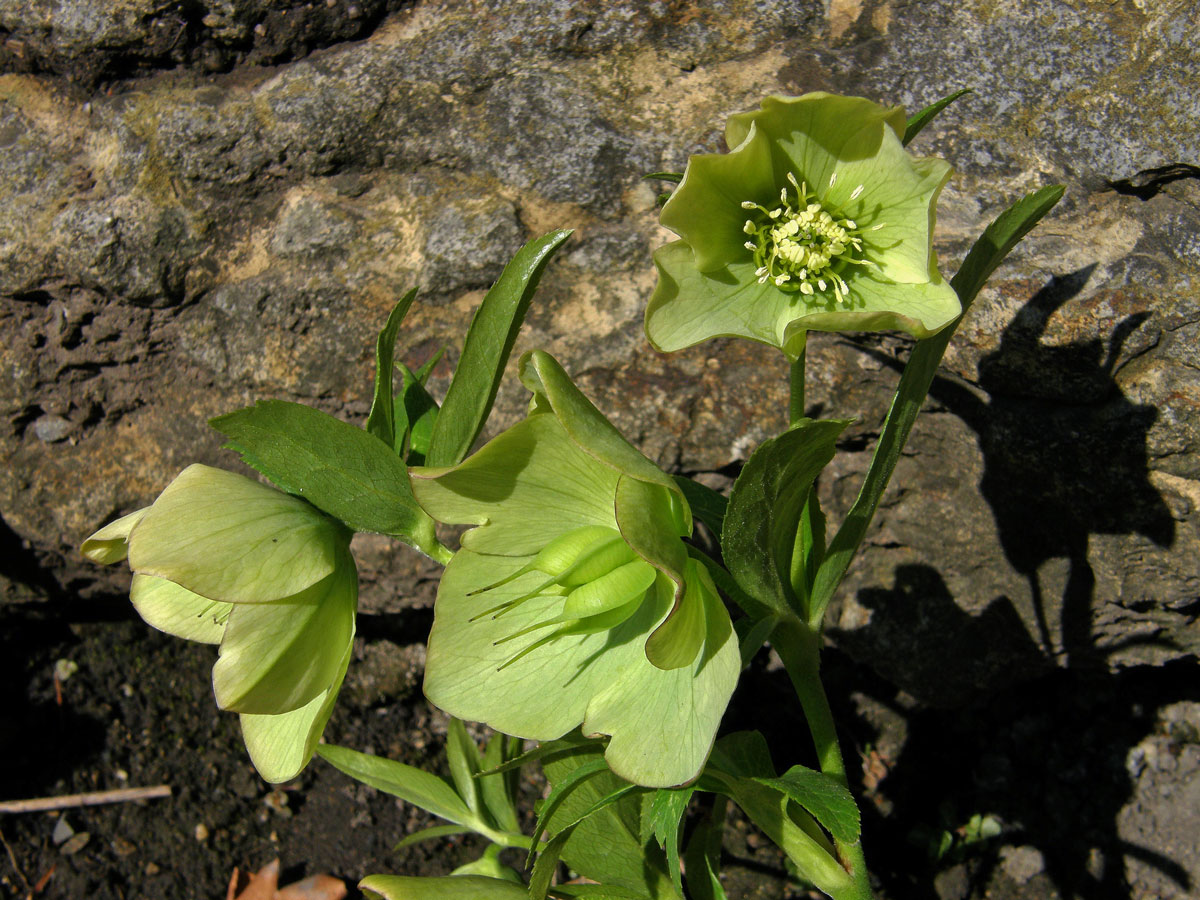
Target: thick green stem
[796,381]
[799,646]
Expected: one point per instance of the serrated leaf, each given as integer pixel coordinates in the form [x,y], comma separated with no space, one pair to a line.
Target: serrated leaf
[988,252]
[486,349]
[606,846]
[662,816]
[547,862]
[828,800]
[919,120]
[449,887]
[336,467]
[765,506]
[413,785]
[563,789]
[381,420]
[707,505]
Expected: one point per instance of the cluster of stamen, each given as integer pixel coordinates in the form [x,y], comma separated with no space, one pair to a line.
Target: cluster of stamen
[800,246]
[598,576]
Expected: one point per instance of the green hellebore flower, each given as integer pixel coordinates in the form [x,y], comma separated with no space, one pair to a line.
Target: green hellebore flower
[573,600]
[221,559]
[816,220]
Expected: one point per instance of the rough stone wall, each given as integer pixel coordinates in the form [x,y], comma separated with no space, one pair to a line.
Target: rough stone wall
[206,203]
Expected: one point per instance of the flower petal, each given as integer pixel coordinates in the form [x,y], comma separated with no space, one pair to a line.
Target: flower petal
[280,746]
[176,610]
[276,657]
[111,543]
[690,306]
[228,538]
[524,488]
[706,208]
[882,305]
[601,680]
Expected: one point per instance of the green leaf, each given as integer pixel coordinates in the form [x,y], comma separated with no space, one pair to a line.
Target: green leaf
[606,846]
[430,834]
[463,758]
[489,864]
[547,863]
[743,753]
[828,800]
[450,887]
[381,421]
[561,791]
[662,817]
[338,468]
[497,788]
[707,505]
[595,892]
[416,412]
[702,859]
[993,245]
[673,177]
[486,350]
[413,785]
[925,116]
[765,508]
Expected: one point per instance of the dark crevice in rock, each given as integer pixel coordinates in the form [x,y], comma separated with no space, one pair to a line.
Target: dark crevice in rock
[1148,182]
[98,46]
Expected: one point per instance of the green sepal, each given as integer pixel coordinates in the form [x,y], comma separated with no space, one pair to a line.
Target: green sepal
[111,543]
[281,745]
[381,420]
[765,512]
[486,349]
[919,120]
[168,607]
[225,537]
[338,468]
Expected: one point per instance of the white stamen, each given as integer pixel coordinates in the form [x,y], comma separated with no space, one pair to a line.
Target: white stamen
[749,245]
[833,179]
[854,194]
[747,204]
[877,227]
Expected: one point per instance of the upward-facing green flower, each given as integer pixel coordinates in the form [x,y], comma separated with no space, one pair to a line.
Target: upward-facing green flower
[816,220]
[573,599]
[224,560]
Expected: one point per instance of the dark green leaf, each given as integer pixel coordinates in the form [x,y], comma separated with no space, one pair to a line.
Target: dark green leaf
[662,817]
[486,350]
[595,892]
[463,758]
[547,862]
[765,509]
[743,753]
[413,785]
[730,588]
[416,412]
[991,248]
[753,635]
[809,550]
[673,177]
[497,788]
[707,505]
[338,468]
[702,859]
[563,789]
[606,846]
[381,421]
[925,116]
[829,801]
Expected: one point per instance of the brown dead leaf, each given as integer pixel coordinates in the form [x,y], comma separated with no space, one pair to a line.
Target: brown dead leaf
[263,885]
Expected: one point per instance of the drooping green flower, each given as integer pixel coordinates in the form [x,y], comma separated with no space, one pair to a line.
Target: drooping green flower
[817,219]
[221,559]
[573,599]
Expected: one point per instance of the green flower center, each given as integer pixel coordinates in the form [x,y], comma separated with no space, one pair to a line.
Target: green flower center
[800,246]
[600,578]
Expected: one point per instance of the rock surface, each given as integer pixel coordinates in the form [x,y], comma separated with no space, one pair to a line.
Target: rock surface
[200,207]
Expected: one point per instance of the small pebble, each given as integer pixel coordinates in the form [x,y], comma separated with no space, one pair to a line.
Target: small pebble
[202,832]
[76,843]
[65,668]
[123,848]
[152,869]
[51,429]
[62,832]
